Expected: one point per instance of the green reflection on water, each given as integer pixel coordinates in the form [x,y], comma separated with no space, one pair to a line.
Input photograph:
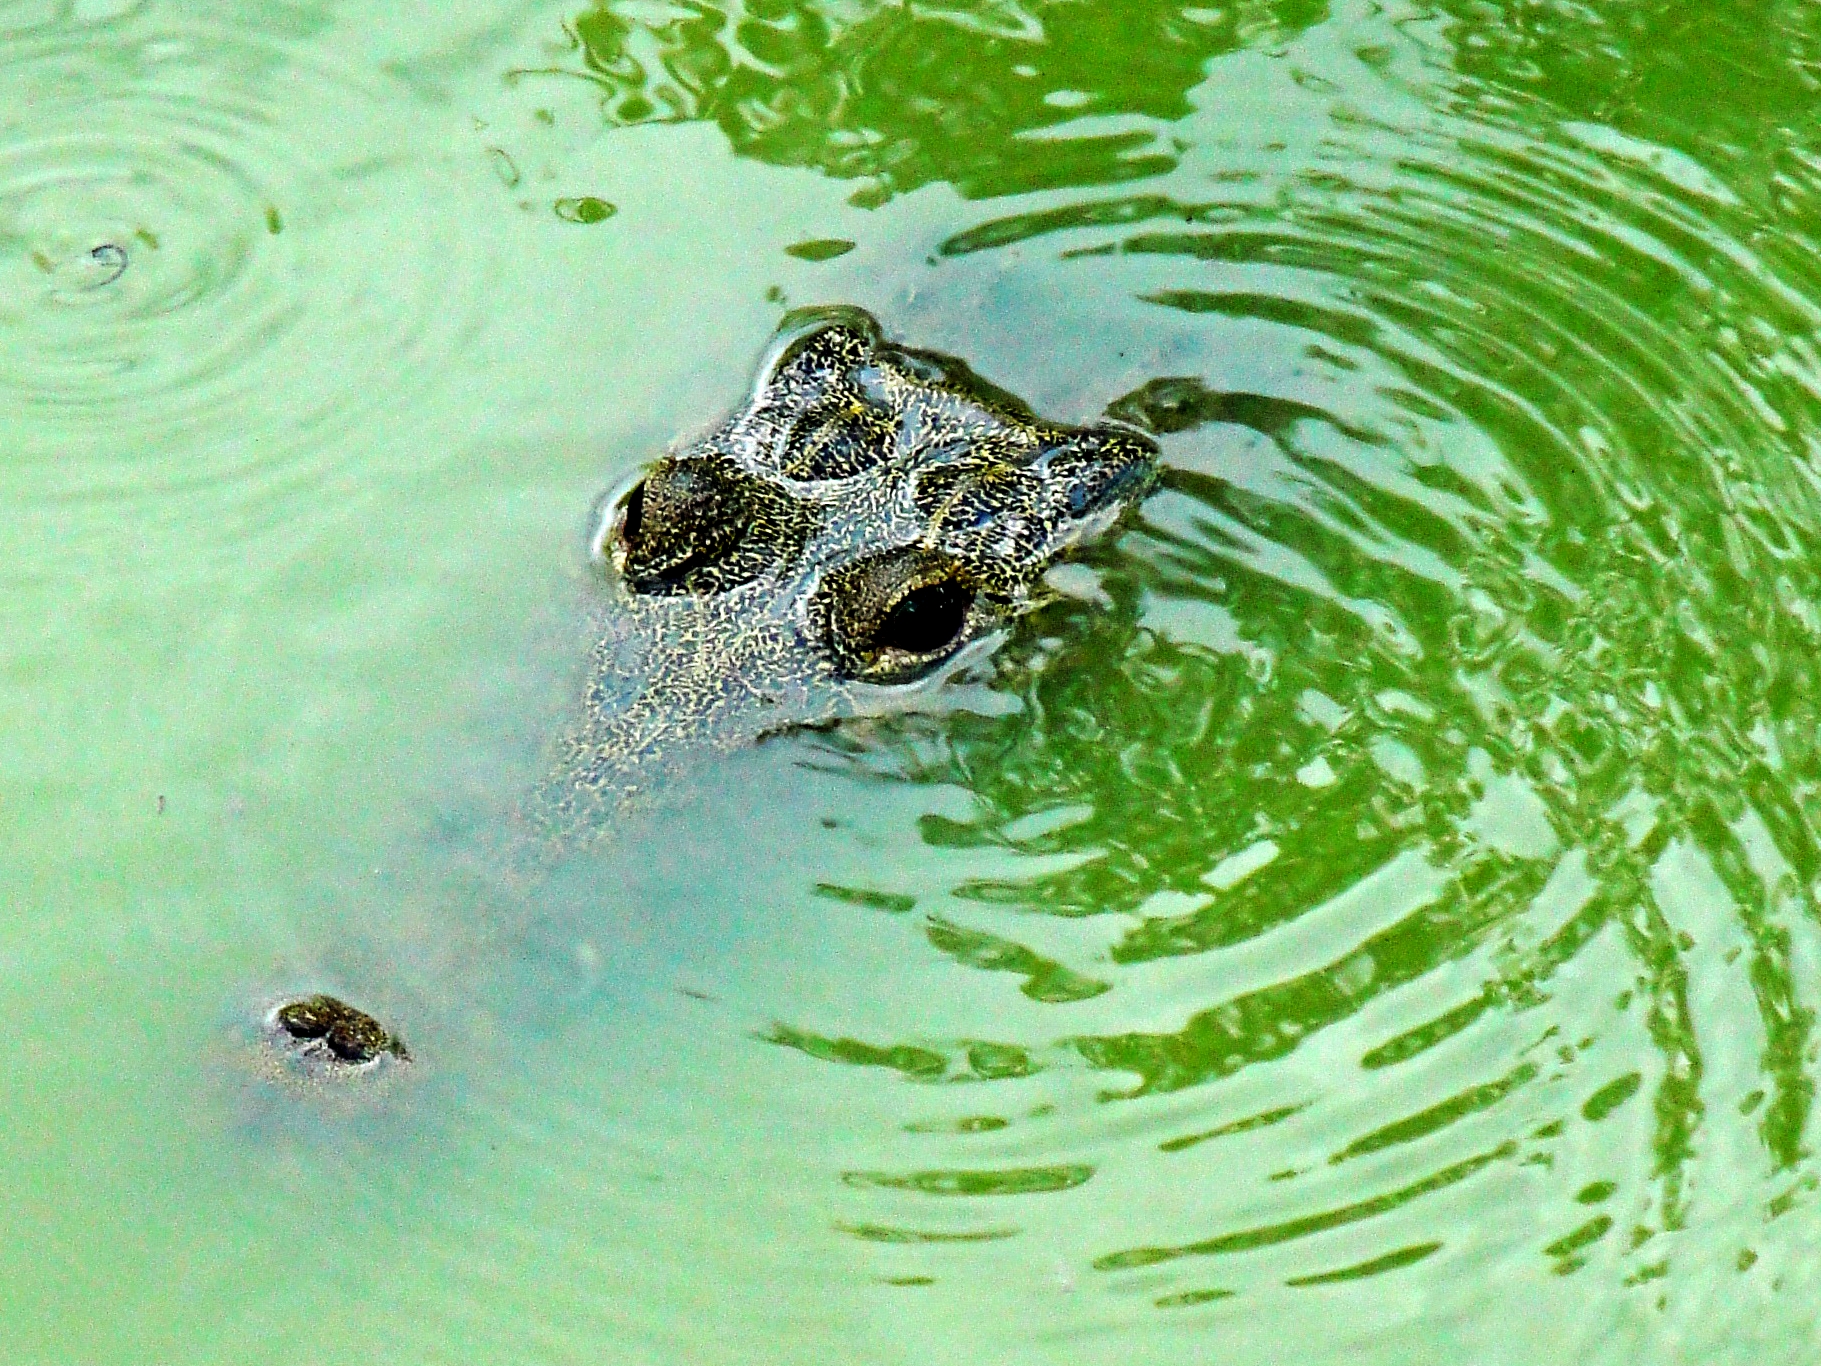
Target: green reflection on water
[904,95]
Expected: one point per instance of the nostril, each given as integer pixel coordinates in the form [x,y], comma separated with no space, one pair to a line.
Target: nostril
[352,1035]
[1105,486]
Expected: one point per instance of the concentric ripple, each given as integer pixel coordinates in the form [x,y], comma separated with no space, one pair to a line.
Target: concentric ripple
[201,266]
[1418,828]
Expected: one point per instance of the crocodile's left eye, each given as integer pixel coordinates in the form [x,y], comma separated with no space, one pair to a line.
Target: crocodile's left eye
[894,616]
[700,525]
[678,519]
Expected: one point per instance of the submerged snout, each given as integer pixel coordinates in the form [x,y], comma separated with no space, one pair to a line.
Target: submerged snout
[1097,469]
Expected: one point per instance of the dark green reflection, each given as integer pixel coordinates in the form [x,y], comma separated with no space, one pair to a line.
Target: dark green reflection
[1504,662]
[1375,1266]
[904,95]
[1006,1181]
[1696,77]
[1270,1234]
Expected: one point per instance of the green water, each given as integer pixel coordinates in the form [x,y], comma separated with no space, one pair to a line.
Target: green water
[1371,915]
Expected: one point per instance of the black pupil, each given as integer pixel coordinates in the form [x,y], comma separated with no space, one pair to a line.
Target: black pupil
[634,514]
[925,619]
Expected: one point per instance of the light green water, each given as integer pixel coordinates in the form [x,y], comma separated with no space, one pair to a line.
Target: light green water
[1370,917]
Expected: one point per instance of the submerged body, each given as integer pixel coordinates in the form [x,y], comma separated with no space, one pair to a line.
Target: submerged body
[867,515]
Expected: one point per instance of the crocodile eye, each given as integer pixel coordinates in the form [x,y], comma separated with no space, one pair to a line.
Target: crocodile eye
[893,617]
[925,620]
[698,524]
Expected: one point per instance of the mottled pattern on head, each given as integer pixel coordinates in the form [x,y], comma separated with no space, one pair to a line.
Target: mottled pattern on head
[871,511]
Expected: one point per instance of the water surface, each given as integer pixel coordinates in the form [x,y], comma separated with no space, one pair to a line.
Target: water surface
[1369,915]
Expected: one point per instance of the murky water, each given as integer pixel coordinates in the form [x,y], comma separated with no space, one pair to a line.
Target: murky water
[1370,915]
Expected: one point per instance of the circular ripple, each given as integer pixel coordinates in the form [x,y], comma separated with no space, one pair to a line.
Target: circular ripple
[1435,766]
[216,252]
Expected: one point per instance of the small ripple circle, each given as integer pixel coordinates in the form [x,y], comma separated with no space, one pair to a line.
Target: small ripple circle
[218,251]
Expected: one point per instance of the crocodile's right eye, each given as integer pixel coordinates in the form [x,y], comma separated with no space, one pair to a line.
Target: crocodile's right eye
[926,620]
[701,525]
[895,616]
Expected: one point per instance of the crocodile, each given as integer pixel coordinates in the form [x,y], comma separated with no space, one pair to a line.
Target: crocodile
[869,518]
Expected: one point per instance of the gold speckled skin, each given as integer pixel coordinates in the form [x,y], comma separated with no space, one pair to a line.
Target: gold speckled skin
[763,576]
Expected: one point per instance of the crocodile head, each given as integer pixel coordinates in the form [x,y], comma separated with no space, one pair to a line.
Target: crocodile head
[871,512]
